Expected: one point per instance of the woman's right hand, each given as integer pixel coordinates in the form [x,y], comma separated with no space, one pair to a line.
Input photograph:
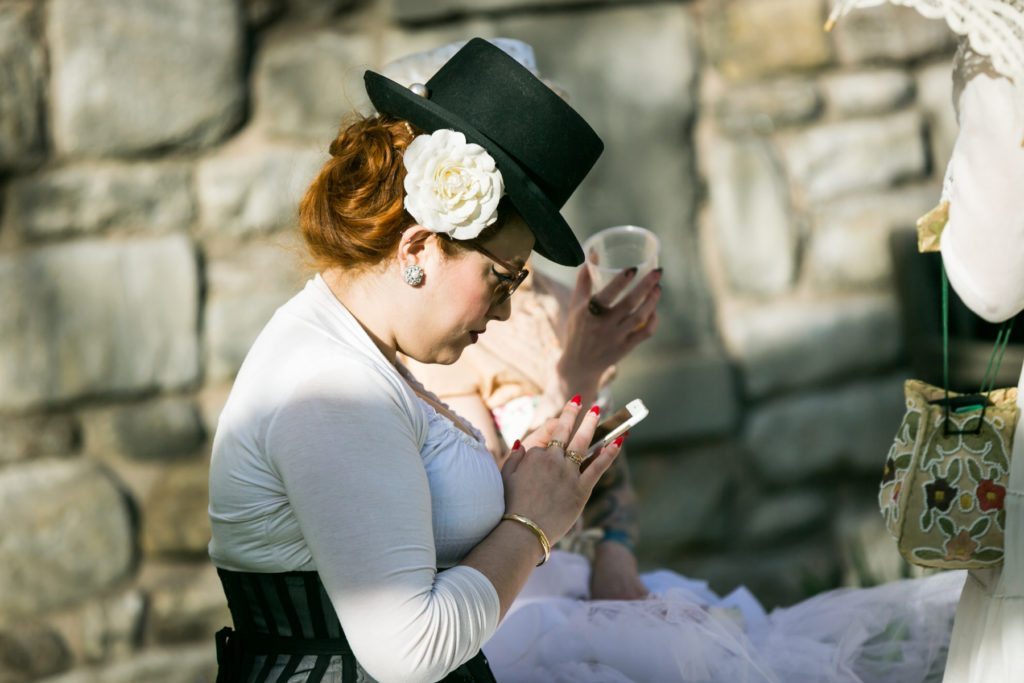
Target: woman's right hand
[543,483]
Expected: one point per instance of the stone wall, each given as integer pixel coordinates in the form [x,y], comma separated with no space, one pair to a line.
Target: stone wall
[151,157]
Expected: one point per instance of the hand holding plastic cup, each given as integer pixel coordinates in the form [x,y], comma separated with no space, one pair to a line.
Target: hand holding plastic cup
[612,250]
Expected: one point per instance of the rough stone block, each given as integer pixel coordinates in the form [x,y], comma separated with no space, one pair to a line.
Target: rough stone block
[259,13]
[156,430]
[186,664]
[748,39]
[31,651]
[859,93]
[935,94]
[318,10]
[417,10]
[849,245]
[22,82]
[174,513]
[779,576]
[755,231]
[786,515]
[307,82]
[97,317]
[852,426]
[403,40]
[67,536]
[869,553]
[35,436]
[833,159]
[244,291]
[129,76]
[764,106]
[666,380]
[889,33]
[211,400]
[112,626]
[684,496]
[186,602]
[796,342]
[89,198]
[254,189]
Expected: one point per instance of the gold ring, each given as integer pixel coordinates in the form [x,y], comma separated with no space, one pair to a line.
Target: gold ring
[556,443]
[574,456]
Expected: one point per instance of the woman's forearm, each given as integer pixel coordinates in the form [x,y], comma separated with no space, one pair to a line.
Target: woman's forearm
[506,557]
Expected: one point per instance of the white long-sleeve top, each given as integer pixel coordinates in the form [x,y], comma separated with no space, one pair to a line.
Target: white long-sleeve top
[325,460]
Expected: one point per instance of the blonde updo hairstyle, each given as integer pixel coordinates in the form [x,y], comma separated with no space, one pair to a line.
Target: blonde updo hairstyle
[353,215]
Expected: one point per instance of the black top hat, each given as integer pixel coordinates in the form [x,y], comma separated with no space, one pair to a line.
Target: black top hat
[542,147]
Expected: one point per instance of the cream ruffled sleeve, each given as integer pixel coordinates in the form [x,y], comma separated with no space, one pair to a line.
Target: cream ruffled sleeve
[983,243]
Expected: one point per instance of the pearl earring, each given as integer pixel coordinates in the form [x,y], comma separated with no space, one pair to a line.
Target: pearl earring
[413,275]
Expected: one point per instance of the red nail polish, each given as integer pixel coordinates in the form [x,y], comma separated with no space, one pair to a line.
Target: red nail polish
[596,410]
[618,441]
[516,445]
[577,399]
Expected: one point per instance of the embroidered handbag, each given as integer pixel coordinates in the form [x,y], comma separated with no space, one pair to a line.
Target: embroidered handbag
[945,476]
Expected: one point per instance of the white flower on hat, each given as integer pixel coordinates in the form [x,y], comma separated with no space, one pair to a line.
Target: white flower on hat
[451,186]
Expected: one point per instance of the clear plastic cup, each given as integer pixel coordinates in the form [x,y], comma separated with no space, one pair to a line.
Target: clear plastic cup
[612,250]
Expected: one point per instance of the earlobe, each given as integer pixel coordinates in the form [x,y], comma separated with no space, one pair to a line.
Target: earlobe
[411,250]
[413,275]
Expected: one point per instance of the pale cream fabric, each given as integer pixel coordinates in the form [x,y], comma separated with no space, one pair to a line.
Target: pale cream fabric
[983,250]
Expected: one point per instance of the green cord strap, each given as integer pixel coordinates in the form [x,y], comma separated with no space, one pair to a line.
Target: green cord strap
[994,361]
[945,332]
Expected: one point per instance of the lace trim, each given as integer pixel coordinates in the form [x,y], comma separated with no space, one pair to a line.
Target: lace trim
[995,28]
[437,417]
[476,440]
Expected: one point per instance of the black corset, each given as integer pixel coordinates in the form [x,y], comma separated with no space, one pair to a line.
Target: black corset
[286,617]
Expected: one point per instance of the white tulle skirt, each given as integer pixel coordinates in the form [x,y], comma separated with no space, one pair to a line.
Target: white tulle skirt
[895,633]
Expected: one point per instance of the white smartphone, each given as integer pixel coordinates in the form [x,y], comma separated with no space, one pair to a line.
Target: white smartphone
[617,424]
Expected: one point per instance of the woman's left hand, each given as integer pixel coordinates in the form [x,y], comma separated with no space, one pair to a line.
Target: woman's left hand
[597,336]
[614,574]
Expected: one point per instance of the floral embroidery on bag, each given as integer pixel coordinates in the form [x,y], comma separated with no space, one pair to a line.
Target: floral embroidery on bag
[990,495]
[961,546]
[940,494]
[889,472]
[943,491]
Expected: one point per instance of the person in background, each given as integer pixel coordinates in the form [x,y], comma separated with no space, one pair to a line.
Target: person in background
[555,343]
[983,253]
[668,627]
[982,245]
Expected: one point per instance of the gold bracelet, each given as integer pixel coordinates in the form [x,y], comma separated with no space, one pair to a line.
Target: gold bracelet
[545,544]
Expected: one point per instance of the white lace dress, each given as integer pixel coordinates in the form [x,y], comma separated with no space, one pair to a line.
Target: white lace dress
[683,632]
[983,249]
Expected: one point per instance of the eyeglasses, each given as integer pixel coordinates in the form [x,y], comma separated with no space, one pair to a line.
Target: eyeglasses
[507,284]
